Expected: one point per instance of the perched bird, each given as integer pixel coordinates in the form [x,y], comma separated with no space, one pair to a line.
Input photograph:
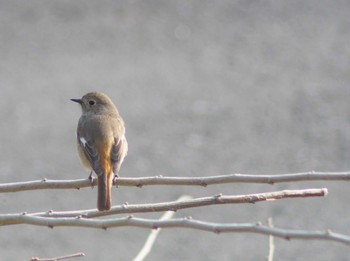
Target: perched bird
[101,142]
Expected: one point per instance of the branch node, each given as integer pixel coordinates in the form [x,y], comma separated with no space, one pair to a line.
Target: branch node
[139,185]
[252,199]
[130,217]
[218,195]
[155,227]
[24,213]
[50,226]
[44,180]
[203,183]
[217,231]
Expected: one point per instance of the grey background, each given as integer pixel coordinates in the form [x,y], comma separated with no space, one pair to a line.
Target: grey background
[205,88]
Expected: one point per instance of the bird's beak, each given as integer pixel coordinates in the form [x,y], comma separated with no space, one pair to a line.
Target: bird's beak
[77,100]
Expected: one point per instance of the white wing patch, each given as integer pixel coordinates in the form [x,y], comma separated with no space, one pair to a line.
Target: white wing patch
[83,141]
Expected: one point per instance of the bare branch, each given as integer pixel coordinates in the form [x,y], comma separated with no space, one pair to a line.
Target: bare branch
[271,242]
[184,223]
[45,184]
[181,181]
[11,219]
[234,178]
[57,258]
[146,249]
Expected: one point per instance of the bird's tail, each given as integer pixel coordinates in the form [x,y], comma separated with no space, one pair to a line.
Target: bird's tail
[104,200]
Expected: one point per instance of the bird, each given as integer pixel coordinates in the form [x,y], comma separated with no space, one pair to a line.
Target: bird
[101,142]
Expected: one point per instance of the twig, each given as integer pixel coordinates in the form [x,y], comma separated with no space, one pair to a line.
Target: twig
[271,242]
[181,181]
[146,249]
[11,219]
[57,258]
[188,222]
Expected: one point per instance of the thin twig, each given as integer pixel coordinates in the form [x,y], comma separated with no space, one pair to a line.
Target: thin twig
[181,181]
[271,242]
[131,221]
[147,247]
[57,258]
[11,219]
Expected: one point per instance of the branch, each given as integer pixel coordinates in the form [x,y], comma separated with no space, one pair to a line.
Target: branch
[271,242]
[146,249]
[11,219]
[180,181]
[57,258]
[184,223]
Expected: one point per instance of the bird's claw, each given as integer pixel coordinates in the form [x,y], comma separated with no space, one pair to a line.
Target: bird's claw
[115,180]
[91,180]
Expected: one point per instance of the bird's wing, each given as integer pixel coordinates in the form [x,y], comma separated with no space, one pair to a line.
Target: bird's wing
[91,153]
[118,152]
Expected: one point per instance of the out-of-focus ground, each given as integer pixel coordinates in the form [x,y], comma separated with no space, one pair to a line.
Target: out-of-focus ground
[205,88]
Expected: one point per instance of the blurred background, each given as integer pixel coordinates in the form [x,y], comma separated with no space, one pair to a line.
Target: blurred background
[205,88]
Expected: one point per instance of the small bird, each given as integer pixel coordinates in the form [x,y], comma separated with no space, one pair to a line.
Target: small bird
[101,142]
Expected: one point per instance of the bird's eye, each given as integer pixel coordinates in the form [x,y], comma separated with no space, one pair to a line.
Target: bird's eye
[92,102]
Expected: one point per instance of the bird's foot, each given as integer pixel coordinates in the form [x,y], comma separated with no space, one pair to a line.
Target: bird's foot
[115,180]
[91,180]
